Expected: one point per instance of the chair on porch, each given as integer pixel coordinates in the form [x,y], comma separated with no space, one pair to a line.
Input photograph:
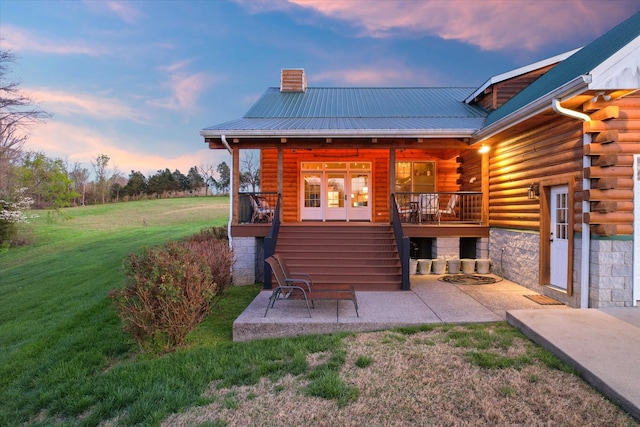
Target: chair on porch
[429,207]
[262,212]
[299,286]
[450,211]
[405,211]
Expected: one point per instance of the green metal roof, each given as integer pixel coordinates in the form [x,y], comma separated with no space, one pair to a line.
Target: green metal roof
[580,63]
[358,110]
[365,102]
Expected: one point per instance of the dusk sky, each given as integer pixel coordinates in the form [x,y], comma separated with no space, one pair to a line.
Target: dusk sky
[138,80]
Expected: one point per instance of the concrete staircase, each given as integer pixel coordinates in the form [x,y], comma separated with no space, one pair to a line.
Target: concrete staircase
[364,255]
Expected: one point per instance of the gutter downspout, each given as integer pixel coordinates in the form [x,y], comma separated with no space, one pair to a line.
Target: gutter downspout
[223,138]
[586,185]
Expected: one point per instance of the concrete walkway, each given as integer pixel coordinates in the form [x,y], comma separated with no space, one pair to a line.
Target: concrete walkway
[603,345]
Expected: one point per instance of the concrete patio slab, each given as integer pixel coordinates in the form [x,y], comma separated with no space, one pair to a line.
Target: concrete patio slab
[602,347]
[429,301]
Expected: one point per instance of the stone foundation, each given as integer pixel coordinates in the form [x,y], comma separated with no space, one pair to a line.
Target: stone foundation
[611,267]
[244,260]
[515,255]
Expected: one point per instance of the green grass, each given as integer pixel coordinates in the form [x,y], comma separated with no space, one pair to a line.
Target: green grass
[63,357]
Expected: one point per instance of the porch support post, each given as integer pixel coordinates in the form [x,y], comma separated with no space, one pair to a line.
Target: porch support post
[485,188]
[392,170]
[280,178]
[235,183]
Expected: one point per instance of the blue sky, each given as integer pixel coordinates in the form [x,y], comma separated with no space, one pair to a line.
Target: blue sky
[138,80]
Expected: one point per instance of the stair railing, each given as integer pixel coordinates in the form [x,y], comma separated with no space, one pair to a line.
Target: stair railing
[270,242]
[402,242]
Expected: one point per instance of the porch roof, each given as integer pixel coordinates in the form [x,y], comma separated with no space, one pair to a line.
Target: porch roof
[358,112]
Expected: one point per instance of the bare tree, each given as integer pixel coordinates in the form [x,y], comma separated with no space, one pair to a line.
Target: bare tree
[104,176]
[208,173]
[17,113]
[79,176]
[250,171]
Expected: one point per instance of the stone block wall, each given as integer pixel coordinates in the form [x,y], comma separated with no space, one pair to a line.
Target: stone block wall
[244,257]
[611,267]
[446,247]
[482,247]
[515,255]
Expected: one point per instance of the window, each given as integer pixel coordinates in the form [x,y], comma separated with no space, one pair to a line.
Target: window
[415,177]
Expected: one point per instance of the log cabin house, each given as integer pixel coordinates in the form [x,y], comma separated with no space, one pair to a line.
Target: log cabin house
[536,170]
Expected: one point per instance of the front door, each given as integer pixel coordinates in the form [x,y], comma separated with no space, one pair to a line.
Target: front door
[335,191]
[359,207]
[559,237]
[336,196]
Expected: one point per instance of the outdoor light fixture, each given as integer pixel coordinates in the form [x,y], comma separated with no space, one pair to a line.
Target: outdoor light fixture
[601,94]
[534,191]
[483,149]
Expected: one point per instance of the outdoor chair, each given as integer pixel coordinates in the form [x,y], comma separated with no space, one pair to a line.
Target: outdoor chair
[299,286]
[262,212]
[306,277]
[451,207]
[408,212]
[429,207]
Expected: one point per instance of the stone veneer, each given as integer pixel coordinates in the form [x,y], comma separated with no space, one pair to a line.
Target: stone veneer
[611,267]
[244,260]
[515,255]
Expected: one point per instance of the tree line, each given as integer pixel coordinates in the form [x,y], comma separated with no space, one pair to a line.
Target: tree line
[32,179]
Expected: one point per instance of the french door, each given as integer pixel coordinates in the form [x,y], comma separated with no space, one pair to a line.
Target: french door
[336,195]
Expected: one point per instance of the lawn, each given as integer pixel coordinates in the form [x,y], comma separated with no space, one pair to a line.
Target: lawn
[65,361]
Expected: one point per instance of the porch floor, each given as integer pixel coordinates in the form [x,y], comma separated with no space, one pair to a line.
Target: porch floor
[428,301]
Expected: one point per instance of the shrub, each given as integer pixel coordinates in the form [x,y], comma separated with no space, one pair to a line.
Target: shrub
[170,289]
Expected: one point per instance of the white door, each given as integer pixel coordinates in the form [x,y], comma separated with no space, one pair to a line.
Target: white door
[559,237]
[336,196]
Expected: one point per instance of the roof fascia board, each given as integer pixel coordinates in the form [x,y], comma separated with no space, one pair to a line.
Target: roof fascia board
[564,92]
[519,71]
[620,71]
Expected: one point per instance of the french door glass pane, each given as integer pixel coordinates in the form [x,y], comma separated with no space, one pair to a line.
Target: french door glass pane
[335,190]
[359,190]
[312,191]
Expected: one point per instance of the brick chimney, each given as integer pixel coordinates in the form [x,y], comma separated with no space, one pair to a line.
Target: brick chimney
[293,80]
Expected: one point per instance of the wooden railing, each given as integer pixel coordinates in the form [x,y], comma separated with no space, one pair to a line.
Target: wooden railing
[257,208]
[461,207]
[402,243]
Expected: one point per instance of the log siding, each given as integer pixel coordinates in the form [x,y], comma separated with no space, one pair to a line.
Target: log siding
[447,174]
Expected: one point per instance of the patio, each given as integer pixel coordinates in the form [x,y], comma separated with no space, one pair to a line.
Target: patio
[428,301]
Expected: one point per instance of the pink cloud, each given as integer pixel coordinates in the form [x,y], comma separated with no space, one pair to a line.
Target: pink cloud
[185,88]
[491,24]
[18,39]
[73,104]
[82,144]
[374,76]
[124,10]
